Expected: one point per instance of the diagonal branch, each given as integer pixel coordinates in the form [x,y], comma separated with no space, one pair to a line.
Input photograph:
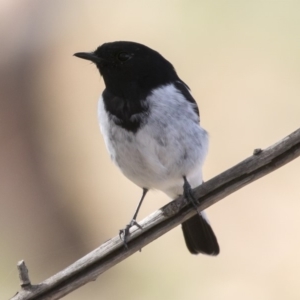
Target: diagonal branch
[89,267]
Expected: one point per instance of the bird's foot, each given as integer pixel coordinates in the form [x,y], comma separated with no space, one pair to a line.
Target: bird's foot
[124,233]
[187,193]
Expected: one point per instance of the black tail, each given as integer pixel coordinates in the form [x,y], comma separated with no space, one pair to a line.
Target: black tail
[199,236]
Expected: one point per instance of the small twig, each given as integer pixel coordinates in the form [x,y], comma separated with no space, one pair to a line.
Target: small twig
[110,253]
[23,275]
[257,151]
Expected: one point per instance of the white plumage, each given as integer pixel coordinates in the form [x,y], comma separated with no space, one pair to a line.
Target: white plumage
[169,145]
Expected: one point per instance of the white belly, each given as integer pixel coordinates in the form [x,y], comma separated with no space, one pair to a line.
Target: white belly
[169,146]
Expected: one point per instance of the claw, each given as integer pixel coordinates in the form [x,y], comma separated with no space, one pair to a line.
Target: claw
[124,233]
[187,192]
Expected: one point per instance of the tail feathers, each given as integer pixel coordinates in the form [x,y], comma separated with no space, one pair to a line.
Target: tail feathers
[199,236]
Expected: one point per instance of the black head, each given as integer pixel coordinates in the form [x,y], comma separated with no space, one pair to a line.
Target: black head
[129,67]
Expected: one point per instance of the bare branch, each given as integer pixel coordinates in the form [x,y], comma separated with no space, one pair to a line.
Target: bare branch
[112,252]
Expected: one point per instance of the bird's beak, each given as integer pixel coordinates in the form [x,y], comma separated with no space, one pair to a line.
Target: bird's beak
[89,56]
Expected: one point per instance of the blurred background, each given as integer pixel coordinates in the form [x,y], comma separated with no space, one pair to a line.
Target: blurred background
[61,196]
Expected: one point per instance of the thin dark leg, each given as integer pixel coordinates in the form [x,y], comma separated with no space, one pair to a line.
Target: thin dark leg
[187,192]
[124,233]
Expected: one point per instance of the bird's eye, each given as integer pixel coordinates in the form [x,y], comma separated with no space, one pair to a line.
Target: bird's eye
[123,56]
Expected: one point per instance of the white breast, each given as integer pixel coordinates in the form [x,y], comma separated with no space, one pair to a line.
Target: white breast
[170,145]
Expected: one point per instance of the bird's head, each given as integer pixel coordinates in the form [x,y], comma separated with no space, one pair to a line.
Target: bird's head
[129,65]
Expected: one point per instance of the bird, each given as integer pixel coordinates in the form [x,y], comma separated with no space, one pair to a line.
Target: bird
[150,123]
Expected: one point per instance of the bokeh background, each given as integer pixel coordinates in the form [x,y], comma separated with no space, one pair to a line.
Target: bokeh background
[60,195]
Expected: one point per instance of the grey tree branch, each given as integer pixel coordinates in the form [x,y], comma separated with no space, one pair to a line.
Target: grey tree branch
[89,267]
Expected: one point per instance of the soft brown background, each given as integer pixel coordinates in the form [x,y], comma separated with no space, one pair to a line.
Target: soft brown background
[61,196]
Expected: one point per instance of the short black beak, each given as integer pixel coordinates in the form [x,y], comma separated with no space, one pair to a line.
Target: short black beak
[89,56]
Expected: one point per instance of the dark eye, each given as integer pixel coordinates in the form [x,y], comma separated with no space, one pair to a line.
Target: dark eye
[123,56]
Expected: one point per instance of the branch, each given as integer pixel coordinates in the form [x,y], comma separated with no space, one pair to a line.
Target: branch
[89,267]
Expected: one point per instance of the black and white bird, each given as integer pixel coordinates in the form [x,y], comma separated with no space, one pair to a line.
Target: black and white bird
[151,128]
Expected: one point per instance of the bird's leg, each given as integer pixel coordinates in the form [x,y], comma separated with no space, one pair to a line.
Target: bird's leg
[187,193]
[124,233]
